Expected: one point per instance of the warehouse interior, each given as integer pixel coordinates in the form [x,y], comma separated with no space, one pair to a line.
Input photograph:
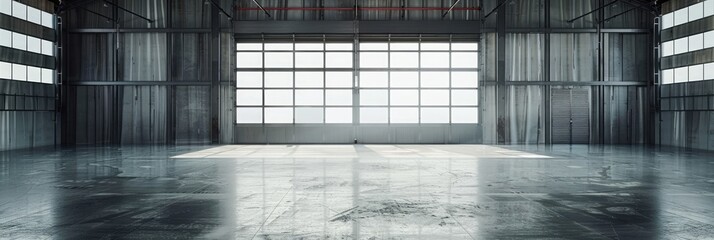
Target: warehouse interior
[356,119]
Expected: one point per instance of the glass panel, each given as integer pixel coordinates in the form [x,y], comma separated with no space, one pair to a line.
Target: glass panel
[308,98]
[667,20]
[5,70]
[6,7]
[373,46]
[249,46]
[434,46]
[464,115]
[709,39]
[308,115]
[464,60]
[19,41]
[696,42]
[434,60]
[34,44]
[404,115]
[404,97]
[434,115]
[19,72]
[34,74]
[404,79]
[464,97]
[373,60]
[278,79]
[374,98]
[338,97]
[667,48]
[249,79]
[681,16]
[252,97]
[278,97]
[309,60]
[48,75]
[696,11]
[709,71]
[404,46]
[48,20]
[309,46]
[278,46]
[696,73]
[309,79]
[435,79]
[464,79]
[374,79]
[373,115]
[278,60]
[249,115]
[404,60]
[5,38]
[48,48]
[338,79]
[681,75]
[668,76]
[680,45]
[339,46]
[464,46]
[34,15]
[338,115]
[339,60]
[435,97]
[249,60]
[708,8]
[278,115]
[19,10]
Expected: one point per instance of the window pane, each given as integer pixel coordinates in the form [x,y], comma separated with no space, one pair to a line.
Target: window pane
[338,115]
[667,20]
[338,79]
[435,97]
[404,79]
[19,10]
[338,97]
[680,45]
[249,79]
[34,44]
[339,46]
[373,46]
[709,71]
[404,60]
[373,98]
[709,38]
[309,60]
[464,97]
[681,16]
[696,73]
[708,8]
[249,60]
[34,74]
[696,11]
[19,72]
[434,115]
[309,79]
[308,115]
[249,46]
[6,7]
[404,46]
[667,48]
[464,46]
[404,97]
[373,60]
[278,60]
[404,115]
[278,115]
[696,42]
[34,15]
[48,20]
[339,60]
[373,115]
[249,115]
[278,79]
[5,70]
[19,41]
[278,97]
[464,60]
[668,76]
[681,75]
[48,48]
[434,46]
[5,38]
[435,79]
[464,115]
[48,76]
[253,97]
[308,98]
[464,79]
[434,60]
[374,79]
[309,46]
[278,46]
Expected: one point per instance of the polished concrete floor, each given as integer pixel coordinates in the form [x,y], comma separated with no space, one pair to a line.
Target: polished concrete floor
[357,192]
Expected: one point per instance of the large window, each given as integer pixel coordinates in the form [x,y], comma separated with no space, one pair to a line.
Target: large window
[691,43]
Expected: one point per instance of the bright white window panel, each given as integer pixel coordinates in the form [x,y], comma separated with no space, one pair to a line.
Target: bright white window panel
[667,48]
[338,97]
[373,46]
[464,97]
[404,97]
[403,46]
[435,79]
[19,72]
[404,115]
[5,38]
[681,75]
[374,97]
[373,60]
[338,115]
[6,7]
[696,42]
[309,79]
[696,72]
[48,48]
[709,38]
[435,46]
[19,10]
[464,79]
[464,60]
[434,115]
[278,79]
[19,41]
[48,76]
[249,79]
[278,60]
[309,115]
[709,71]
[249,115]
[404,79]
[5,70]
[308,97]
[278,97]
[309,46]
[434,60]
[696,11]
[278,46]
[668,76]
[373,115]
[709,8]
[34,15]
[464,46]
[339,60]
[681,45]
[34,74]
[249,60]
[338,79]
[667,20]
[278,115]
[681,16]
[309,60]
[338,46]
[48,20]
[464,115]
[374,79]
[404,60]
[249,46]
[434,97]
[249,97]
[34,44]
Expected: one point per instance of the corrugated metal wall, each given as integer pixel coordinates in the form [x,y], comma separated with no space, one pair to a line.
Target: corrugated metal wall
[27,115]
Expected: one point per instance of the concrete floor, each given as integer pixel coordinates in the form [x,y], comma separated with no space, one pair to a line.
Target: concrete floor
[357,192]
